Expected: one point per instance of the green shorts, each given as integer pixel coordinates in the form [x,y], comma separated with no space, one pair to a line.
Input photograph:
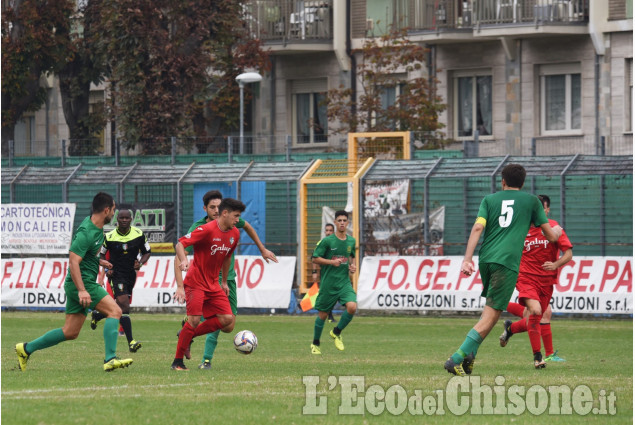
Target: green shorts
[329,296]
[498,284]
[96,292]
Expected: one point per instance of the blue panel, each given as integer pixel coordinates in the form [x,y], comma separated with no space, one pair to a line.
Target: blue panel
[253,196]
[228,190]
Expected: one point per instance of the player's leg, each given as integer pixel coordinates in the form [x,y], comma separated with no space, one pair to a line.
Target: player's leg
[218,314]
[498,286]
[533,330]
[211,341]
[318,327]
[123,301]
[323,304]
[348,299]
[516,309]
[75,317]
[71,329]
[194,309]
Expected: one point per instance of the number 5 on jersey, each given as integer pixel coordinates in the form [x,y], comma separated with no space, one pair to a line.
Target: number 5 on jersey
[507,212]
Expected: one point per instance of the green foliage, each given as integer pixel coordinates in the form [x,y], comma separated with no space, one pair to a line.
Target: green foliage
[389,62]
[33,44]
[65,384]
[169,59]
[86,65]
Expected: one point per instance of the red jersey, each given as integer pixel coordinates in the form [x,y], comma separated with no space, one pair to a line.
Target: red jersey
[539,250]
[211,247]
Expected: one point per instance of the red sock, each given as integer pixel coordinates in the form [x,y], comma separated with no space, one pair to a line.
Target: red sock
[515,309]
[519,326]
[208,326]
[185,337]
[545,331]
[533,329]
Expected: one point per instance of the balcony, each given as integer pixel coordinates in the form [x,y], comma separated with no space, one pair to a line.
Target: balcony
[291,25]
[455,19]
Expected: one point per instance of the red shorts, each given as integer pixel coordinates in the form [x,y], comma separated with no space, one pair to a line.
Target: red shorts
[205,303]
[537,288]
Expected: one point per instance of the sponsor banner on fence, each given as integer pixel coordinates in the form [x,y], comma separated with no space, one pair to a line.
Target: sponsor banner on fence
[39,282]
[37,228]
[585,285]
[155,219]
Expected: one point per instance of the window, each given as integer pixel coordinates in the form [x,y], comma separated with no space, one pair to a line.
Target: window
[473,105]
[389,96]
[310,122]
[24,135]
[560,99]
[628,97]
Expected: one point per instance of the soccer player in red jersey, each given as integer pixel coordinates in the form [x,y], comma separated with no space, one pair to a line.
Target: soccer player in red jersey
[214,244]
[538,274]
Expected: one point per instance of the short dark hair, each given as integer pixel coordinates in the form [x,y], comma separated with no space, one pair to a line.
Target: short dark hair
[339,213]
[514,175]
[212,194]
[101,201]
[329,225]
[231,205]
[544,199]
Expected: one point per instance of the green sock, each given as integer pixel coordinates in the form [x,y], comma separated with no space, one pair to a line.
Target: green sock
[111,331]
[47,340]
[345,319]
[469,346]
[210,345]
[317,330]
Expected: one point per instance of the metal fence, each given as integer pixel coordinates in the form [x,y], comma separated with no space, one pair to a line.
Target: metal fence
[592,196]
[287,148]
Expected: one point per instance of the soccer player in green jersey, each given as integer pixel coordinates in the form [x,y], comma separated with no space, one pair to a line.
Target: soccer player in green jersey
[82,290]
[211,201]
[329,229]
[335,255]
[505,217]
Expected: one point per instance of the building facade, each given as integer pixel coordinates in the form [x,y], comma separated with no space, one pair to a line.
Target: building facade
[522,76]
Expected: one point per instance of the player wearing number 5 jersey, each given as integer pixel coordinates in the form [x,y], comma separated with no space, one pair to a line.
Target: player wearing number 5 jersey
[505,218]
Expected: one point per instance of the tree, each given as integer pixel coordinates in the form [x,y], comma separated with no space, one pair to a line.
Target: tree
[167,60]
[384,61]
[84,66]
[33,44]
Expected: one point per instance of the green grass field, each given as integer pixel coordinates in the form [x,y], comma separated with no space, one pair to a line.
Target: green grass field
[65,384]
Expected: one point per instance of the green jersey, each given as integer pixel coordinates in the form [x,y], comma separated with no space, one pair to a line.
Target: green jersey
[332,247]
[508,215]
[87,243]
[190,249]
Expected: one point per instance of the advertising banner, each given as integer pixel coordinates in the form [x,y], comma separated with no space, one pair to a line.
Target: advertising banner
[39,282]
[585,285]
[155,219]
[37,228]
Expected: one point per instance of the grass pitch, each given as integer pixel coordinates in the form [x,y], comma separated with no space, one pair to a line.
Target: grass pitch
[65,384]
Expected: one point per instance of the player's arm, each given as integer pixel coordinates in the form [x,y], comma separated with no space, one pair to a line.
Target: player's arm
[467,268]
[336,262]
[102,258]
[73,264]
[145,253]
[566,257]
[266,254]
[181,264]
[551,233]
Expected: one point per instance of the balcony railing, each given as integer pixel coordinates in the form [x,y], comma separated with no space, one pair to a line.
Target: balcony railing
[443,15]
[290,20]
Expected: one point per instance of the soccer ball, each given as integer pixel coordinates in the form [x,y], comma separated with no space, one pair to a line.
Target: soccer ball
[245,342]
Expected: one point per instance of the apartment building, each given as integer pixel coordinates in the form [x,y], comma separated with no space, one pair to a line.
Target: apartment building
[521,75]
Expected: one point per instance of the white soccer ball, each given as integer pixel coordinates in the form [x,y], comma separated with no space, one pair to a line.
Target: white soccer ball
[245,342]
